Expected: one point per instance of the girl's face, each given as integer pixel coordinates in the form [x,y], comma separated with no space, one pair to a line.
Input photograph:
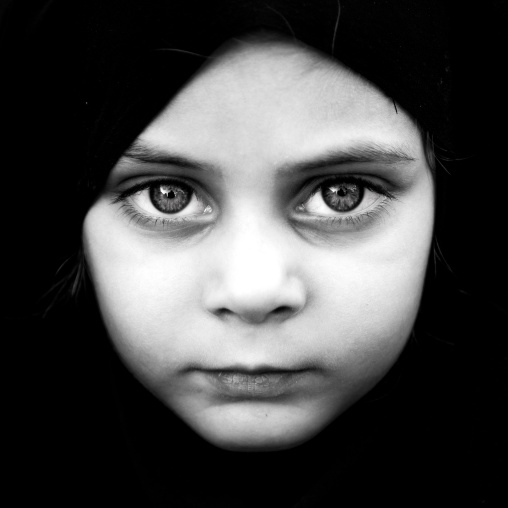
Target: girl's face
[259,252]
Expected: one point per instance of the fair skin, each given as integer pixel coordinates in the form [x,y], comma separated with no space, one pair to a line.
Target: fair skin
[262,310]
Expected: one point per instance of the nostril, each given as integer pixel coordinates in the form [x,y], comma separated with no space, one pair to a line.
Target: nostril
[223,313]
[253,304]
[254,296]
[257,315]
[283,310]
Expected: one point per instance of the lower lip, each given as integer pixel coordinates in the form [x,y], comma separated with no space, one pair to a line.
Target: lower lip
[263,385]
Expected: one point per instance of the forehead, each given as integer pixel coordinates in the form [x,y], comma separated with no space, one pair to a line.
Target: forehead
[285,88]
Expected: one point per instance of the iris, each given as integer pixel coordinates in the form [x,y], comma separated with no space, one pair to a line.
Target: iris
[170,198]
[342,197]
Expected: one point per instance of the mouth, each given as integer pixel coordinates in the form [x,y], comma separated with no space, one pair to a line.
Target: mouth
[260,383]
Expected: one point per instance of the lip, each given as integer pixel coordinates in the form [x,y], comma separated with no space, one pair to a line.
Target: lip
[254,384]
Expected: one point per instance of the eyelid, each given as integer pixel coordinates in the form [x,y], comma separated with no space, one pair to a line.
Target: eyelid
[343,222]
[149,181]
[312,188]
[156,220]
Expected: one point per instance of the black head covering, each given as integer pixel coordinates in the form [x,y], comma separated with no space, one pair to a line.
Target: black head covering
[140,53]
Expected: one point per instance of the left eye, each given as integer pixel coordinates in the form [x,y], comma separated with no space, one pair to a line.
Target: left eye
[339,195]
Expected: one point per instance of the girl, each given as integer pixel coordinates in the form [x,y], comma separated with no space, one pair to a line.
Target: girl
[257,320]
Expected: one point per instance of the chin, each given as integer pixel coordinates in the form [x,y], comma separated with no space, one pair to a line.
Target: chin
[257,427]
[245,441]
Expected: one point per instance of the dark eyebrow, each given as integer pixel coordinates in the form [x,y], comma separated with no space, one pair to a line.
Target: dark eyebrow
[360,153]
[143,152]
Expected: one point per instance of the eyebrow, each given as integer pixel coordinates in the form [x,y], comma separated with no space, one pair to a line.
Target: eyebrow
[143,152]
[364,152]
[360,153]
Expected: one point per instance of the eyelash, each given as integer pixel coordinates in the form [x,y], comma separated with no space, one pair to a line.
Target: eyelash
[145,220]
[354,219]
[149,221]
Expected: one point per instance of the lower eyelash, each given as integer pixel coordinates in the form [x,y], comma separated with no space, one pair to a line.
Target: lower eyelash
[351,220]
[143,220]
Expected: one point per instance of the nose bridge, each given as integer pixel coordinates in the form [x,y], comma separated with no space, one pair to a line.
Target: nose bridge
[255,275]
[255,260]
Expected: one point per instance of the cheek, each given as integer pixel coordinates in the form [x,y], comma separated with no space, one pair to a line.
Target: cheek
[369,295]
[146,295]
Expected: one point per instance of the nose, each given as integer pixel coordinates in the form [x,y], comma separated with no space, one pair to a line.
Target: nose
[255,279]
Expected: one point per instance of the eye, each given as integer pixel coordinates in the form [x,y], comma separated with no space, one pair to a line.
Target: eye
[161,202]
[171,198]
[341,195]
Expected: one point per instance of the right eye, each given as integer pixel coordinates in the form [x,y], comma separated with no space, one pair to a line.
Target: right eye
[165,199]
